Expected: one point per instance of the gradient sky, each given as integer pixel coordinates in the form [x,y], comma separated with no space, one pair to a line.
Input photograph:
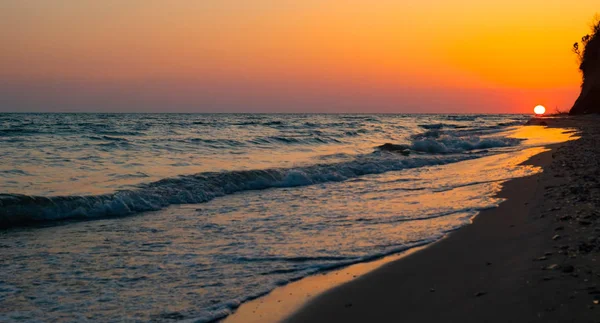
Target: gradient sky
[290,56]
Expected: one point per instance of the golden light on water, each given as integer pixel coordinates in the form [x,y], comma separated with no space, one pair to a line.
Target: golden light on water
[539,110]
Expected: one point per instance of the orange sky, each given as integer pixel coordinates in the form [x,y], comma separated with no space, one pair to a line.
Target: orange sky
[290,56]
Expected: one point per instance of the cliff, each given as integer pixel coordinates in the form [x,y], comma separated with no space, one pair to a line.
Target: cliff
[589,54]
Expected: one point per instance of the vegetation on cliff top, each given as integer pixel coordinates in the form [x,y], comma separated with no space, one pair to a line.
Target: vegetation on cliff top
[587,51]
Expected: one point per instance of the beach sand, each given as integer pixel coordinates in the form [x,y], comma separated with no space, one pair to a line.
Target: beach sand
[533,259]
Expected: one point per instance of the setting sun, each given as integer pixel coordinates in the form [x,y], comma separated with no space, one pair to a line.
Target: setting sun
[539,110]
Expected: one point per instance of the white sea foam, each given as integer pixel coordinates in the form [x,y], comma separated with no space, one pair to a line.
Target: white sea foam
[199,188]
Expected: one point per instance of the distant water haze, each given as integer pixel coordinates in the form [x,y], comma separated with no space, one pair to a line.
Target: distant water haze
[290,56]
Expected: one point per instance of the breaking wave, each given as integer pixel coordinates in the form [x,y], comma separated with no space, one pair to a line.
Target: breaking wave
[444,144]
[18,210]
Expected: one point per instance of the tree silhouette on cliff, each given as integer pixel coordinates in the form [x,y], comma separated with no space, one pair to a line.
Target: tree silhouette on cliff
[588,53]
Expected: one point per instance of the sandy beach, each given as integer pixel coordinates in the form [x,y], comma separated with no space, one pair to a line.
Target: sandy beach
[532,259]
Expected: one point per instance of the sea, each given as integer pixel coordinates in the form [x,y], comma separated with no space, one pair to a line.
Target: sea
[169,217]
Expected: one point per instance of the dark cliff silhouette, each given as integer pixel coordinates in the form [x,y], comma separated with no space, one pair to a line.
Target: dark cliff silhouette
[588,51]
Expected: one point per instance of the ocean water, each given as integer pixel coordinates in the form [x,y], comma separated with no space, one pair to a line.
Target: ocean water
[162,217]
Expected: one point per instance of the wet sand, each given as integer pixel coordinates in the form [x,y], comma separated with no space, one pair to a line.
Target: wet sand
[281,302]
[533,259]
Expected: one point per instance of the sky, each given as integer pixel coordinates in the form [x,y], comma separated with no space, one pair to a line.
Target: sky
[386,56]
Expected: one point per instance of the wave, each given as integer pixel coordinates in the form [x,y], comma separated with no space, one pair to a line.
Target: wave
[10,172]
[291,259]
[109,138]
[19,131]
[445,144]
[462,117]
[441,125]
[226,308]
[436,140]
[469,129]
[127,176]
[118,133]
[256,123]
[215,143]
[473,117]
[19,210]
[313,138]
[294,140]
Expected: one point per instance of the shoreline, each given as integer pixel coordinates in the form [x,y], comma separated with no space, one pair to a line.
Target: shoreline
[524,261]
[284,300]
[420,288]
[280,305]
[343,300]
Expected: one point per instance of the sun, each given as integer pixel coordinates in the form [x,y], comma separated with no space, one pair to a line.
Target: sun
[539,110]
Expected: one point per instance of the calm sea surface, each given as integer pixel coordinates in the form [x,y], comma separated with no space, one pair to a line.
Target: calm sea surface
[138,217]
